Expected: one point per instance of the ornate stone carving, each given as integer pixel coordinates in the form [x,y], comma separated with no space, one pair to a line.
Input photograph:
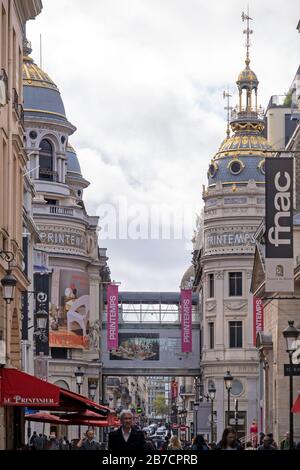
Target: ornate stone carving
[235,305]
[211,305]
[219,274]
[94,335]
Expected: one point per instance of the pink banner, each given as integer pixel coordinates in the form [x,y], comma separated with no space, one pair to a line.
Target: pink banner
[186,320]
[258,317]
[112,317]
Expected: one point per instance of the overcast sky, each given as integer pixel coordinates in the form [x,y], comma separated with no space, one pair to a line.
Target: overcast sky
[142,81]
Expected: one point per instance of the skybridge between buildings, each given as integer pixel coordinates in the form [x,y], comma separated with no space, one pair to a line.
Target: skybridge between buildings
[150,336]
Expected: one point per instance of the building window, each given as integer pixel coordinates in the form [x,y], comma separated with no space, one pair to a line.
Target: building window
[235,284]
[211,287]
[211,333]
[46,161]
[235,334]
[59,353]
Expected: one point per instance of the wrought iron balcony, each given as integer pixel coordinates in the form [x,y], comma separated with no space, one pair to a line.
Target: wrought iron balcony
[50,175]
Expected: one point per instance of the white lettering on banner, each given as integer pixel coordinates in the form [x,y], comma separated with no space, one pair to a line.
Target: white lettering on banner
[31,401]
[186,321]
[282,203]
[113,318]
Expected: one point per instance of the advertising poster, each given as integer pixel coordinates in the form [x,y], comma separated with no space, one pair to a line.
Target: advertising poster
[69,317]
[137,346]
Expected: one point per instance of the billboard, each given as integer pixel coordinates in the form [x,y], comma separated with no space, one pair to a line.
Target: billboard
[279,225]
[69,314]
[151,346]
[136,347]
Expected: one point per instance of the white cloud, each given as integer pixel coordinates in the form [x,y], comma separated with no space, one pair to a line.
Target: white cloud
[142,80]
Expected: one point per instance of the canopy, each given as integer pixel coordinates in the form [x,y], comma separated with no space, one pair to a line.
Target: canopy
[73,419]
[296,406]
[20,389]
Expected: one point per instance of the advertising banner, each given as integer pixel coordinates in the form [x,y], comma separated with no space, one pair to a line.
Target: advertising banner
[152,347]
[41,328]
[69,316]
[186,320]
[112,321]
[258,317]
[279,225]
[136,346]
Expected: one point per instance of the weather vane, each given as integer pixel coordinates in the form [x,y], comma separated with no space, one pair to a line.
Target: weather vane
[247,31]
[227,95]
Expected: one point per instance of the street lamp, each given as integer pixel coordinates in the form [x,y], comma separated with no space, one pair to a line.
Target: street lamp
[92,390]
[212,395]
[196,408]
[9,283]
[290,335]
[228,384]
[79,379]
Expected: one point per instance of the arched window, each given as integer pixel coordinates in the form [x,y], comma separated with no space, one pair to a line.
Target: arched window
[46,161]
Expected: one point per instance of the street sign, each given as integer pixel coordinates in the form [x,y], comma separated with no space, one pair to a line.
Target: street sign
[295,369]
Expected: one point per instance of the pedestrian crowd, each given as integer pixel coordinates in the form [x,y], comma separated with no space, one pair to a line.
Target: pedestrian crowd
[128,437]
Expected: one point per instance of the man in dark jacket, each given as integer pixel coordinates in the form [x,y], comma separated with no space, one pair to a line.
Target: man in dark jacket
[126,437]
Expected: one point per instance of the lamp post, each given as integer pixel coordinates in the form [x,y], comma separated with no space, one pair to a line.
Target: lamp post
[92,390]
[196,408]
[9,283]
[79,379]
[212,395]
[290,335]
[228,384]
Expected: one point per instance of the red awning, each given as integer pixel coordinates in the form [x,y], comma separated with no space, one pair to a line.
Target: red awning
[43,417]
[20,389]
[296,406]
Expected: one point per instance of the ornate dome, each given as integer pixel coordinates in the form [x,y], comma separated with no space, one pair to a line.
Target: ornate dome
[188,277]
[42,98]
[73,165]
[247,76]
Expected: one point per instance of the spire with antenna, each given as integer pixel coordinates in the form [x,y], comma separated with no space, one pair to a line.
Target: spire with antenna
[227,95]
[247,31]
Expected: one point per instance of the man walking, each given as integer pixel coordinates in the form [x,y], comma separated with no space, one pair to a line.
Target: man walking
[285,444]
[126,437]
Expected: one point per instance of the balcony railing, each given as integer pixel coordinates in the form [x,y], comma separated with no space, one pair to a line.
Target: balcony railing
[48,175]
[245,112]
[61,210]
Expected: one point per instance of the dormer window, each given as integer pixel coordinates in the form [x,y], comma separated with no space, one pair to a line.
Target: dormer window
[46,161]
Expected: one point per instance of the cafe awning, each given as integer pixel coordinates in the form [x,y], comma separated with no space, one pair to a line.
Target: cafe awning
[73,419]
[20,389]
[296,406]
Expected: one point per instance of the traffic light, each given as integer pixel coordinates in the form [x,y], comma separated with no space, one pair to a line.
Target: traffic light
[139,410]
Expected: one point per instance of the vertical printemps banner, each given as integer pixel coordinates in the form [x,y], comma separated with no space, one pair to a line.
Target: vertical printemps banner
[186,320]
[258,317]
[279,269]
[112,317]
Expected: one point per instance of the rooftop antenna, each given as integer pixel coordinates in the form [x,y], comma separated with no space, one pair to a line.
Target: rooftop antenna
[41,51]
[247,31]
[227,95]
